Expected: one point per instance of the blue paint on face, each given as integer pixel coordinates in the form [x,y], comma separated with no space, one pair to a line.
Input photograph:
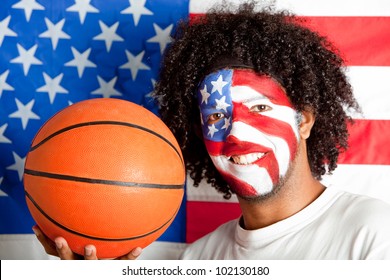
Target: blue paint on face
[214,97]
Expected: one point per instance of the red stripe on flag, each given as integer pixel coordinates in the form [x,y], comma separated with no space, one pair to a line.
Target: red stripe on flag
[361,40]
[369,143]
[204,217]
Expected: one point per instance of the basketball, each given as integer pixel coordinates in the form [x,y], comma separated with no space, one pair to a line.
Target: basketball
[105,172]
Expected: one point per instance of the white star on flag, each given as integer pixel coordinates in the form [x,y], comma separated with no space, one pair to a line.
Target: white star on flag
[1,192]
[4,139]
[107,88]
[80,61]
[218,85]
[205,95]
[82,7]
[137,9]
[27,58]
[54,32]
[134,64]
[52,86]
[150,94]
[24,112]
[4,30]
[212,130]
[3,83]
[108,34]
[221,104]
[28,6]
[162,37]
[18,166]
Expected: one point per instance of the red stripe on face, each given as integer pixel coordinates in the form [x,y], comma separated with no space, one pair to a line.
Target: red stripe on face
[245,189]
[266,125]
[234,146]
[262,84]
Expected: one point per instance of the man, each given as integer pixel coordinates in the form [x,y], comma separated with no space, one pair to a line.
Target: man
[257,103]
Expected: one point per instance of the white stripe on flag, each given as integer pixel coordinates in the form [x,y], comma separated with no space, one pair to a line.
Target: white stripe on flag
[372,90]
[371,180]
[312,8]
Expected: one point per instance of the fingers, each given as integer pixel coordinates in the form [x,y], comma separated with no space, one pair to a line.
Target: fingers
[134,254]
[63,250]
[90,252]
[48,245]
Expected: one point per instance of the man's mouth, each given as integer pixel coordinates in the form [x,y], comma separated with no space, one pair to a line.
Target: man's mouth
[246,159]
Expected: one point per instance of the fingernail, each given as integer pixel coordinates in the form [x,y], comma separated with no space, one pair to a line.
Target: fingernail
[58,244]
[35,230]
[88,251]
[136,252]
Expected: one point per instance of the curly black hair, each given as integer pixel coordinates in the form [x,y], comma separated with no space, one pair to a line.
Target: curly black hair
[274,43]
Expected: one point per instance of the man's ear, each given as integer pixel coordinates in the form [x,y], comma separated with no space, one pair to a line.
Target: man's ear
[307,122]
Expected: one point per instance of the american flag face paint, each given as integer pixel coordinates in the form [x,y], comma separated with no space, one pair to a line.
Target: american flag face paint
[250,129]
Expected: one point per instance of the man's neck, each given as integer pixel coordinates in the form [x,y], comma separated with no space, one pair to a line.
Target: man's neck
[278,207]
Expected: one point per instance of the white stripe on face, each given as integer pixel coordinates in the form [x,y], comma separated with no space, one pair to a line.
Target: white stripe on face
[254,175]
[250,97]
[279,146]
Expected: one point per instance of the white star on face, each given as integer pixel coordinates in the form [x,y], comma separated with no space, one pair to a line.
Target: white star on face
[134,63]
[3,83]
[226,124]
[108,34]
[221,104]
[218,85]
[82,7]
[52,86]
[18,166]
[80,61]
[205,95]
[54,32]
[28,6]
[162,37]
[212,130]
[137,9]
[25,112]
[26,57]
[4,30]
[4,139]
[107,88]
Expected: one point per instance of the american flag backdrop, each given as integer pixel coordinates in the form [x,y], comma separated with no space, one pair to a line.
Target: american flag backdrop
[55,53]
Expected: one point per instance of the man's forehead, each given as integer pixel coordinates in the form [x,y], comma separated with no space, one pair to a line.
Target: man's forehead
[246,84]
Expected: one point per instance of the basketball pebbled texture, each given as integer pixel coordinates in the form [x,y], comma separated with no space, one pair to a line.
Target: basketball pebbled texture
[105,172]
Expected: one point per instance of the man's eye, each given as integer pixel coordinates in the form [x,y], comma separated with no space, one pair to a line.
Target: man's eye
[260,108]
[215,118]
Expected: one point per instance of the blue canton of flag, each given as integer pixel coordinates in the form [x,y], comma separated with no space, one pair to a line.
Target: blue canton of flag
[56,53]
[214,98]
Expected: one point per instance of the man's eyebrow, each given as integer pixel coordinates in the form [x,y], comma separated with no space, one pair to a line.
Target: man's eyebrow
[254,98]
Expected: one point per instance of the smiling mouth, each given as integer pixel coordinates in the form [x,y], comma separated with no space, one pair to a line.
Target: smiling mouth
[246,159]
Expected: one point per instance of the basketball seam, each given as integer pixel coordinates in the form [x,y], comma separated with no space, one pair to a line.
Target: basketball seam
[99,181]
[94,237]
[105,123]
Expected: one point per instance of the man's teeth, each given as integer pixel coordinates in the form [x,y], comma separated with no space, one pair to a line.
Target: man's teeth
[246,159]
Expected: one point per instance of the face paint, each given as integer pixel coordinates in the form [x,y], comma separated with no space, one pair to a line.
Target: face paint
[250,129]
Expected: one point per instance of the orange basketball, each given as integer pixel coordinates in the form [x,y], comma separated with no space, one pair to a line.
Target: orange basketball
[105,172]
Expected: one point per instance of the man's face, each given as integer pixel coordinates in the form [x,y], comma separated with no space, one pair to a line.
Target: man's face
[250,129]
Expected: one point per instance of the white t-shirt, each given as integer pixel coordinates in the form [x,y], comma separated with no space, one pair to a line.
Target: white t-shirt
[337,225]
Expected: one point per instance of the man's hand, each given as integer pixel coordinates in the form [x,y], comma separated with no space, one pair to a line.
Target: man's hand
[60,248]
